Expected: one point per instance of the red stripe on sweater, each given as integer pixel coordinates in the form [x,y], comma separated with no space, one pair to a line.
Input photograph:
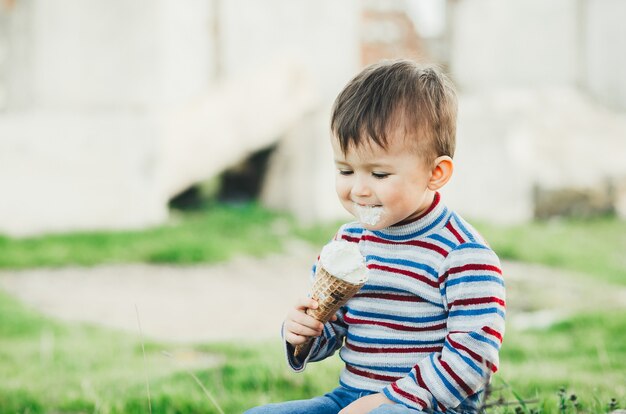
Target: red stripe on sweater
[478,301]
[454,232]
[473,354]
[395,326]
[421,383]
[408,396]
[378,350]
[493,332]
[371,375]
[417,243]
[350,239]
[459,380]
[412,275]
[390,296]
[474,266]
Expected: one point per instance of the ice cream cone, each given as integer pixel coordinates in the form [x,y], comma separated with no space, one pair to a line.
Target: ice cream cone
[331,293]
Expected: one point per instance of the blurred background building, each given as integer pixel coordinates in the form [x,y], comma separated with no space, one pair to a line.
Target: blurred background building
[109,111]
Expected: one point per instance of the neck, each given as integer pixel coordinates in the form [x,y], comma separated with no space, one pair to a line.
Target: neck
[427,206]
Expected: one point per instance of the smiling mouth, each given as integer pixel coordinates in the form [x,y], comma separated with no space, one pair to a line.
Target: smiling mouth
[368,205]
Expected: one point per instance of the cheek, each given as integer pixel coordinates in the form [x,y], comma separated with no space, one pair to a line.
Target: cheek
[389,194]
[342,187]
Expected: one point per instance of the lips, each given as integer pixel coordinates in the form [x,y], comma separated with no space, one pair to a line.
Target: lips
[367,205]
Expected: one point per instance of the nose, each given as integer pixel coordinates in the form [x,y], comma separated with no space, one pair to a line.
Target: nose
[360,188]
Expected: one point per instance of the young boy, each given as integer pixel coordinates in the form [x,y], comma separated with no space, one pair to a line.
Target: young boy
[424,332]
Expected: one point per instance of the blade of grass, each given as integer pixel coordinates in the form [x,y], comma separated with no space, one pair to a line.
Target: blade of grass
[143,350]
[206,392]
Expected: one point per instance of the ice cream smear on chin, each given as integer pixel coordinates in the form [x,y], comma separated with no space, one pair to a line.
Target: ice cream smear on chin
[368,214]
[343,260]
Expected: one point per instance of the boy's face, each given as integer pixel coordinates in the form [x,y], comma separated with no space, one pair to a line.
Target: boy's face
[382,187]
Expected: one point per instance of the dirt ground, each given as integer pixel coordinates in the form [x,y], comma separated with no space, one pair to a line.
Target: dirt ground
[247,298]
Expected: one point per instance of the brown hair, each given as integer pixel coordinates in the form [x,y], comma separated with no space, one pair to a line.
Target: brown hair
[390,94]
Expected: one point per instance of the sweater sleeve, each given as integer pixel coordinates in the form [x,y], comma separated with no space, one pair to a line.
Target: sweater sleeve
[323,346]
[472,288]
[332,336]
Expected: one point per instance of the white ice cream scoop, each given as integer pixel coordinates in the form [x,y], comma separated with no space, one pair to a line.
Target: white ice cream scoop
[369,215]
[344,260]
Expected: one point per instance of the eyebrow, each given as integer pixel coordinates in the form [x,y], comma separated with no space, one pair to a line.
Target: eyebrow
[368,165]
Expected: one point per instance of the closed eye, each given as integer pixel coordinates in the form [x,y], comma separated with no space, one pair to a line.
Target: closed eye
[380,175]
[345,172]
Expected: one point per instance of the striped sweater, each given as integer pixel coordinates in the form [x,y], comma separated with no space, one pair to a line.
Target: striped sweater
[427,326]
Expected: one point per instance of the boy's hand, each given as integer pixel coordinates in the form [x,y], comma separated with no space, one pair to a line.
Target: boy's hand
[366,404]
[300,327]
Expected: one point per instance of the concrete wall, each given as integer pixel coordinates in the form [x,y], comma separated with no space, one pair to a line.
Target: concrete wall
[112,108]
[495,43]
[511,140]
[605,60]
[114,55]
[533,43]
[542,93]
[324,37]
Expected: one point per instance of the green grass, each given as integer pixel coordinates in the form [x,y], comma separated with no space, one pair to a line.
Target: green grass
[51,367]
[215,234]
[211,235]
[585,354]
[595,247]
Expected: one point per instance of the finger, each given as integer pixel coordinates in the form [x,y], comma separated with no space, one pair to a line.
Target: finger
[294,339]
[306,320]
[333,318]
[306,303]
[299,329]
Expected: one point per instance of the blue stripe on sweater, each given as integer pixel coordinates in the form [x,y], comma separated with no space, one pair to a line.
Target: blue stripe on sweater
[466,359]
[386,341]
[392,397]
[445,381]
[403,262]
[383,289]
[472,246]
[418,233]
[476,278]
[481,338]
[344,385]
[474,312]
[354,230]
[443,240]
[412,375]
[392,317]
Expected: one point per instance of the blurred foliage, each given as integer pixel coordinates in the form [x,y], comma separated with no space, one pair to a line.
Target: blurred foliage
[218,232]
[596,247]
[210,235]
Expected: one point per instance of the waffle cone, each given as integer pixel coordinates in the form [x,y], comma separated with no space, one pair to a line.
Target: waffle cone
[331,293]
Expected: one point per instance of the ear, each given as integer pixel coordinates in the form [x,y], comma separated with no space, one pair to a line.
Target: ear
[441,172]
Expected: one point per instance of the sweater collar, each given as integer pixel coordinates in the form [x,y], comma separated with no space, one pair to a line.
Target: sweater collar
[433,219]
